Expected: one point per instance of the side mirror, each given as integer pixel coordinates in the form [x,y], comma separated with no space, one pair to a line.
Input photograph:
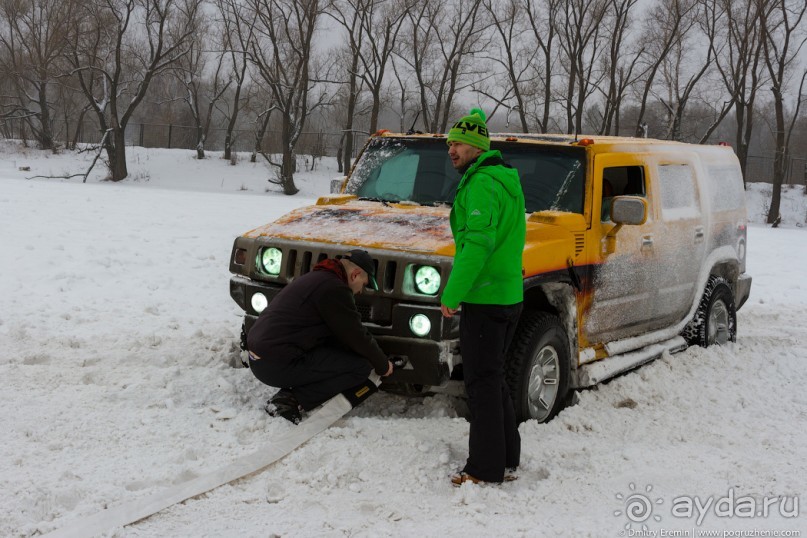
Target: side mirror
[631,210]
[338,184]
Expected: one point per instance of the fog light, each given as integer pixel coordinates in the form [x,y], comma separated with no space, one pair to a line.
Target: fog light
[259,302]
[420,325]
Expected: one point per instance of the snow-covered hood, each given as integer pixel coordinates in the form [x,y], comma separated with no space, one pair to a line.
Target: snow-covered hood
[347,221]
[344,220]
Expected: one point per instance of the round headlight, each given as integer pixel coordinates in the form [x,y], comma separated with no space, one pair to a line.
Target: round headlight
[259,302]
[420,325]
[427,279]
[270,260]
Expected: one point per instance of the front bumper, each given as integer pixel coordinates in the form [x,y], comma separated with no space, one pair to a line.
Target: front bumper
[430,358]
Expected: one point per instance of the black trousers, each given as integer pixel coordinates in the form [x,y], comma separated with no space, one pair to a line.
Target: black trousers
[315,377]
[494,444]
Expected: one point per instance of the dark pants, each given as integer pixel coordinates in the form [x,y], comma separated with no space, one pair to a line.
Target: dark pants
[494,444]
[315,377]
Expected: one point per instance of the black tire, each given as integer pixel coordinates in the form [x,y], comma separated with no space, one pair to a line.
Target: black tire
[715,320]
[540,339]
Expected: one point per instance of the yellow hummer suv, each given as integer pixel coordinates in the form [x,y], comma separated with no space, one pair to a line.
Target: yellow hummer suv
[634,247]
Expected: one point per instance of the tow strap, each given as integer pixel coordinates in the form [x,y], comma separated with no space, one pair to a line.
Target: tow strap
[139,509]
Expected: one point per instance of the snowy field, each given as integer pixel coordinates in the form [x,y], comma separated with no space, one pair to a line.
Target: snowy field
[118,339]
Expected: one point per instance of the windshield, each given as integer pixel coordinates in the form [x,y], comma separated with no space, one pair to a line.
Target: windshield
[419,171]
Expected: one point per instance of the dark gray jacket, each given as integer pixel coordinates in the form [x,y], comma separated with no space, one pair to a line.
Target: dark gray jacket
[316,309]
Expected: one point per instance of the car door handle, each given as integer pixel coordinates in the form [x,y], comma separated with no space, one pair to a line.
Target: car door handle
[647,241]
[699,234]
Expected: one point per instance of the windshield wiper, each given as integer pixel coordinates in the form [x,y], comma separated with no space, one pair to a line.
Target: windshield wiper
[367,199]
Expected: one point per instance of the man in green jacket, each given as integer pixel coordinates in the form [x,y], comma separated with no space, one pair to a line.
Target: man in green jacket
[489,229]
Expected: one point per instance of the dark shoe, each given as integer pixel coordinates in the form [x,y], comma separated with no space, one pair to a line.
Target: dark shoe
[284,404]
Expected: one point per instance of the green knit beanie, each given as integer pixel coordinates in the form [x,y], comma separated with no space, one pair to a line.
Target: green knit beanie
[471,130]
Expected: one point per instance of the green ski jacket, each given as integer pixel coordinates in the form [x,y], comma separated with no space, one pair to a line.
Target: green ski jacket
[489,229]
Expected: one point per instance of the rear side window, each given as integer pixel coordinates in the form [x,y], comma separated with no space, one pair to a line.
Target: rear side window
[726,190]
[679,195]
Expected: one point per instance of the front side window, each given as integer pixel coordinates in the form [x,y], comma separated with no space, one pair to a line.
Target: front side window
[620,181]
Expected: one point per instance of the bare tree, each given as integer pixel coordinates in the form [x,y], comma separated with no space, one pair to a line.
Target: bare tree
[683,69]
[73,108]
[33,37]
[350,14]
[405,97]
[514,55]
[258,107]
[545,34]
[442,38]
[580,29]
[238,31]
[664,26]
[199,91]
[383,22]
[118,47]
[620,64]
[783,40]
[739,62]
[282,53]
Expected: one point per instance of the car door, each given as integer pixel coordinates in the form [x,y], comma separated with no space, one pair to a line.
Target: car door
[623,285]
[682,236]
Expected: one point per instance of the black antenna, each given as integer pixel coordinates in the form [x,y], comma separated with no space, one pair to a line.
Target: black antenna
[412,129]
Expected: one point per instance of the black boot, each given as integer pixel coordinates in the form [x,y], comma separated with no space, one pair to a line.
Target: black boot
[284,404]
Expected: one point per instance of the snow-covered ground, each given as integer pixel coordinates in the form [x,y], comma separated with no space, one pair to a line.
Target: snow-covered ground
[118,339]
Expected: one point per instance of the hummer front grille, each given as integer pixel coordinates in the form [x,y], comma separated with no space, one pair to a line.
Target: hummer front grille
[394,273]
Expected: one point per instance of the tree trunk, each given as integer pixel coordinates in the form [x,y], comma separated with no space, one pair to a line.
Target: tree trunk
[375,111]
[200,142]
[287,172]
[741,148]
[116,153]
[339,155]
[77,133]
[259,134]
[347,156]
[287,166]
[45,130]
[678,116]
[569,97]
[228,138]
[749,128]
[780,161]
